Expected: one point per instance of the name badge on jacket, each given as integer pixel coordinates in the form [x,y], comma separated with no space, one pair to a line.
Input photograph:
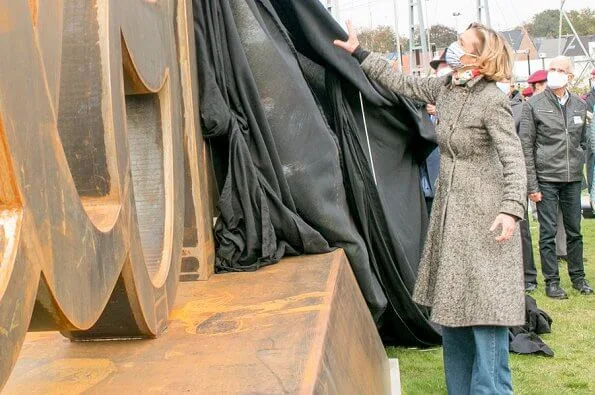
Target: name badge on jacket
[578,120]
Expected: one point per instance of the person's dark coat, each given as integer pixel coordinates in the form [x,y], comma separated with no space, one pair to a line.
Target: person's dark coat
[465,275]
[590,99]
[431,165]
[554,143]
[433,168]
[516,104]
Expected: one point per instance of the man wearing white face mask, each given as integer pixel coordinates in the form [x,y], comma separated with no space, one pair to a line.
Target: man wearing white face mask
[554,139]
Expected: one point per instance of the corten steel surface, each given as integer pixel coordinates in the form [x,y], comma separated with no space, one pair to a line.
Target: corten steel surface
[301,326]
[97,112]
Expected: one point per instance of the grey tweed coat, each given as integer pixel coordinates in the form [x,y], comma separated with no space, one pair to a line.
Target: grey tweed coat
[465,275]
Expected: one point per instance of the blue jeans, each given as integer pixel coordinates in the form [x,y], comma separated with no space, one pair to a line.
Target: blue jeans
[568,196]
[476,360]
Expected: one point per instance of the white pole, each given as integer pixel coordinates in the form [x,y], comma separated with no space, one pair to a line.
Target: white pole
[487,12]
[560,27]
[483,12]
[337,9]
[398,49]
[431,55]
[425,45]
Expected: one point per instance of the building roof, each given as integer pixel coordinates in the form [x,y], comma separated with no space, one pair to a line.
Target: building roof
[549,46]
[573,47]
[514,38]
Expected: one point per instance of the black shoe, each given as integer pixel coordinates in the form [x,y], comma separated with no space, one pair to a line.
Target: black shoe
[530,287]
[553,290]
[583,287]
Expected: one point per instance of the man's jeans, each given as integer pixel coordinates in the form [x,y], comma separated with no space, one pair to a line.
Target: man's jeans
[568,194]
[476,360]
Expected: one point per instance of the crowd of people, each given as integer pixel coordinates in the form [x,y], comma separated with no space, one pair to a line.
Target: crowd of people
[497,150]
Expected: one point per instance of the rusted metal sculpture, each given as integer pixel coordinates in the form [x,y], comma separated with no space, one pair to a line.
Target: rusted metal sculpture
[97,115]
[105,206]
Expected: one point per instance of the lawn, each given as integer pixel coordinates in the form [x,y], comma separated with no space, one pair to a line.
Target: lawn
[571,371]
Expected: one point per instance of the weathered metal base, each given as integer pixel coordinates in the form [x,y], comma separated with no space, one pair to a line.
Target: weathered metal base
[300,326]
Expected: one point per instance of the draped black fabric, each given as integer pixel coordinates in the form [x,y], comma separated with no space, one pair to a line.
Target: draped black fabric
[524,339]
[286,116]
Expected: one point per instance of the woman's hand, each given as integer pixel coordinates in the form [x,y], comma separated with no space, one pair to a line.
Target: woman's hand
[535,197]
[431,109]
[508,224]
[352,42]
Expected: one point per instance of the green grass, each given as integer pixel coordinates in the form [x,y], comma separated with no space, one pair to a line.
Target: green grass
[571,371]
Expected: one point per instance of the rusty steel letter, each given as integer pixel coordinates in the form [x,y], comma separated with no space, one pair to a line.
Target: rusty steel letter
[97,115]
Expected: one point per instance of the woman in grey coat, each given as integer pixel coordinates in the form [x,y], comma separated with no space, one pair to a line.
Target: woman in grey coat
[471,272]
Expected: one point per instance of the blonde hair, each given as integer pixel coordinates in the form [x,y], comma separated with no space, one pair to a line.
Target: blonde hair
[495,57]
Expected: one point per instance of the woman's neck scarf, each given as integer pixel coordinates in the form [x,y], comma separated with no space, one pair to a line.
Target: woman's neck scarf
[462,77]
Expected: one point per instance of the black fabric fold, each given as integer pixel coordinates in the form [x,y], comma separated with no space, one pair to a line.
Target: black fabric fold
[524,339]
[360,54]
[286,115]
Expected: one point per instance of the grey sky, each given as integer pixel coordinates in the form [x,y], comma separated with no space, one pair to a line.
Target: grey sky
[504,14]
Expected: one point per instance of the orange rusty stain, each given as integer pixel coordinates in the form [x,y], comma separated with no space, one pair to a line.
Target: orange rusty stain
[6,19]
[33,7]
[230,318]
[67,376]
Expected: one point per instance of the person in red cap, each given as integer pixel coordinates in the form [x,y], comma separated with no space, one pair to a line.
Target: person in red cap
[538,81]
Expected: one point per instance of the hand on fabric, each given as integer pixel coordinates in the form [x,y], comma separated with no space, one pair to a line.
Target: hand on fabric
[352,42]
[508,224]
[535,197]
[431,109]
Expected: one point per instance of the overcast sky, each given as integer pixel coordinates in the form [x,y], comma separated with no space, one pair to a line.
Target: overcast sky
[505,14]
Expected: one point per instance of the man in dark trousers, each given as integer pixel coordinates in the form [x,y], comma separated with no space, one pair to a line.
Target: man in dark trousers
[554,139]
[538,81]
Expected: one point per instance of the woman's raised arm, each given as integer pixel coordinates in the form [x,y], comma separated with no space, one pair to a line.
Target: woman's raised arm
[380,69]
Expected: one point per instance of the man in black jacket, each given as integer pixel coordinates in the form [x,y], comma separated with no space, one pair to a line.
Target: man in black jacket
[553,134]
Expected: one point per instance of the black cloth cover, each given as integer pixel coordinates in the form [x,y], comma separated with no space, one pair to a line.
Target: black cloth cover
[524,339]
[282,111]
